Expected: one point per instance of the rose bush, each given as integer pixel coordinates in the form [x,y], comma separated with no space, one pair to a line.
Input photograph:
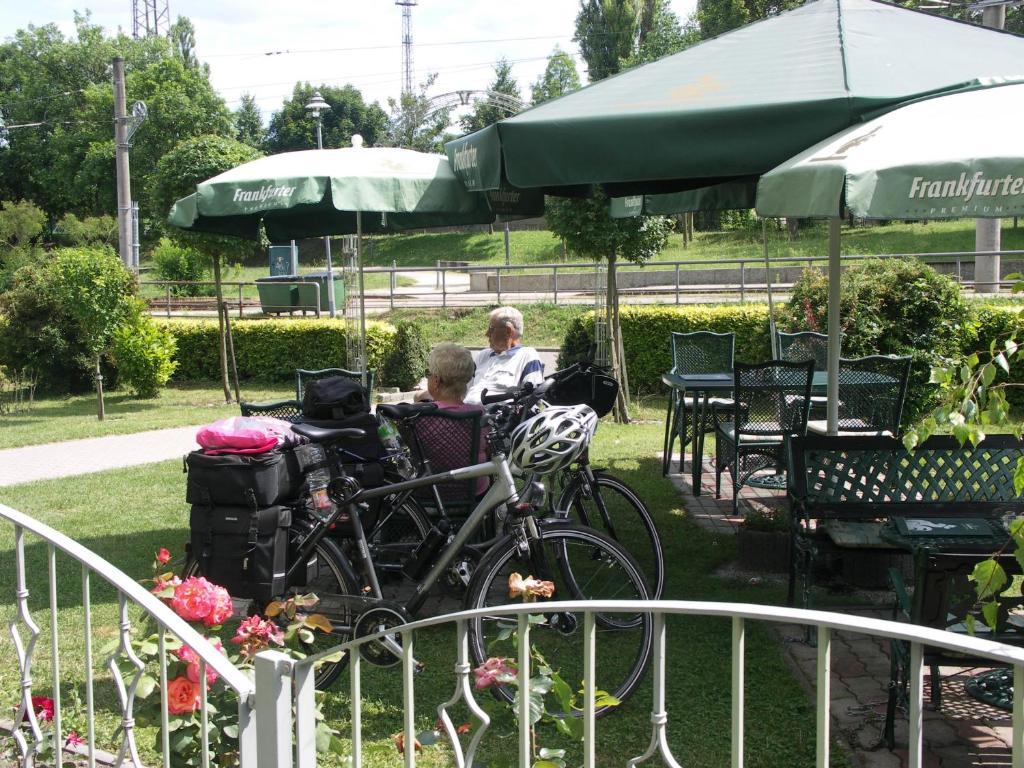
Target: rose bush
[207,606]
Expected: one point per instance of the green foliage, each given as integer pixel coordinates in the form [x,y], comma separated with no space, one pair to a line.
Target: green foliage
[271,349]
[90,230]
[647,341]
[181,262]
[249,123]
[769,519]
[293,127]
[889,307]
[93,290]
[21,227]
[67,162]
[487,111]
[144,353]
[607,32]
[407,359]
[588,230]
[414,123]
[719,16]
[559,78]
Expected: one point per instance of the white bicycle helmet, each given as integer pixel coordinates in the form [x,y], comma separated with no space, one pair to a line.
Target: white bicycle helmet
[553,438]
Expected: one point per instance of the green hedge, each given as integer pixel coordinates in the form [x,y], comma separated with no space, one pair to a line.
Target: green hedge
[271,349]
[998,322]
[646,337]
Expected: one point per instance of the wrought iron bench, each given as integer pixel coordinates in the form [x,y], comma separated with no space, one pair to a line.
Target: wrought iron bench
[843,489]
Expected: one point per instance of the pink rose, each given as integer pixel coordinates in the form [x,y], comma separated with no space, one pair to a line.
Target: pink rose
[74,740]
[163,556]
[182,696]
[255,633]
[193,598]
[221,609]
[494,671]
[188,656]
[43,707]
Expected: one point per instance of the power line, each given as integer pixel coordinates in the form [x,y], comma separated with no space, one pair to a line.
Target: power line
[295,51]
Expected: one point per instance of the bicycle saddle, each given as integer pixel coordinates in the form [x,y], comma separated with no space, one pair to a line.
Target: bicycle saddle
[326,434]
[404,410]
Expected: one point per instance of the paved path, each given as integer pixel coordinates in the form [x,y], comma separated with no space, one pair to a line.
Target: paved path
[93,454]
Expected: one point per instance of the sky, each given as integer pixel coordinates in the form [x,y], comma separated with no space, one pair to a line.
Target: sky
[264,47]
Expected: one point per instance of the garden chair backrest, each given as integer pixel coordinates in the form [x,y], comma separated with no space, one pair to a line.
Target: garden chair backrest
[702,352]
[303,377]
[804,345]
[772,398]
[867,404]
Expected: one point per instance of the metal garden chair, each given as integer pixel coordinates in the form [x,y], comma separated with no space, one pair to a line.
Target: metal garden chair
[807,345]
[771,403]
[442,440]
[871,394]
[695,353]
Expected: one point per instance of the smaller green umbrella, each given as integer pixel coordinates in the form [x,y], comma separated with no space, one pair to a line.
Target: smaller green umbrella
[313,193]
[946,157]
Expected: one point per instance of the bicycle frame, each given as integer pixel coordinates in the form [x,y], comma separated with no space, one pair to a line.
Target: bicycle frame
[502,490]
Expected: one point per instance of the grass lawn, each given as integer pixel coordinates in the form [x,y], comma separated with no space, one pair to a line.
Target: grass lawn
[125,515]
[67,418]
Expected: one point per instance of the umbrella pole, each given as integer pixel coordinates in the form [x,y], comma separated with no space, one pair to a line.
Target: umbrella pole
[834,331]
[772,340]
[362,299]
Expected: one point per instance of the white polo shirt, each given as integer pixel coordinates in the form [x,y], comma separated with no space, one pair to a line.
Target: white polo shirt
[504,371]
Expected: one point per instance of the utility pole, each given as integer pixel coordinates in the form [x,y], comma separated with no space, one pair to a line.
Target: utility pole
[317,105]
[988,235]
[407,6]
[124,184]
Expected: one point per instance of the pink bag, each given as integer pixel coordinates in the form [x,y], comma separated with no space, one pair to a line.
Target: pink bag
[242,434]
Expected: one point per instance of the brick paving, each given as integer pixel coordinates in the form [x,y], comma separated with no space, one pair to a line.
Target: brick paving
[966,732]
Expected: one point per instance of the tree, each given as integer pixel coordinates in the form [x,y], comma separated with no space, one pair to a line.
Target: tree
[21,229]
[66,163]
[249,123]
[293,127]
[715,17]
[661,35]
[489,111]
[587,229]
[414,123]
[94,291]
[611,34]
[177,174]
[183,37]
[560,77]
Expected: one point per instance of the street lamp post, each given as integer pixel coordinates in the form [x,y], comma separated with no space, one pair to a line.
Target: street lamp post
[316,105]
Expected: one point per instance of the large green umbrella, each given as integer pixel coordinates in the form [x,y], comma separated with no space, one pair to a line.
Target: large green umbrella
[312,193]
[731,108]
[951,156]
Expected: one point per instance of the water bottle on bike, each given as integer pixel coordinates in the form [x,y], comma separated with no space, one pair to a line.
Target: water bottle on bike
[392,440]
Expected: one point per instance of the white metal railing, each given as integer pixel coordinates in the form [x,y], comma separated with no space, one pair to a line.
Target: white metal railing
[25,633]
[825,623]
[276,711]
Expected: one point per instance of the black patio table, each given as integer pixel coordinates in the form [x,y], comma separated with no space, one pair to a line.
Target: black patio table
[723,384]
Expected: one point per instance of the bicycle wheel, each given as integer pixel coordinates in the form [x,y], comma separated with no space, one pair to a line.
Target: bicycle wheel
[583,564]
[612,507]
[329,576]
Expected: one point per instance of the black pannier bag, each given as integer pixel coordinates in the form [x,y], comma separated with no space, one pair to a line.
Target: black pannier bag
[586,387]
[335,397]
[244,550]
[249,480]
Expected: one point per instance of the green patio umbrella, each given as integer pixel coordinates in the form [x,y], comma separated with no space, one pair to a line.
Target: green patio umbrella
[951,156]
[313,193]
[731,108]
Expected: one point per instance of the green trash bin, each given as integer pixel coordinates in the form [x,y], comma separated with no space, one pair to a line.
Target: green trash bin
[307,298]
[278,293]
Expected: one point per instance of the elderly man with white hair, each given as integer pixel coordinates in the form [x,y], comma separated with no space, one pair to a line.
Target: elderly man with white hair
[505,364]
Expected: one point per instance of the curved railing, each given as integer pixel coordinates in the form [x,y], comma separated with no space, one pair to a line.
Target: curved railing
[825,622]
[25,634]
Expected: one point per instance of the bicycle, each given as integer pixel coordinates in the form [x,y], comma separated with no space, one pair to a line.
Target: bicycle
[582,563]
[592,496]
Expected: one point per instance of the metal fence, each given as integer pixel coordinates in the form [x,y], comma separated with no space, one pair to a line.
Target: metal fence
[457,284]
[281,701]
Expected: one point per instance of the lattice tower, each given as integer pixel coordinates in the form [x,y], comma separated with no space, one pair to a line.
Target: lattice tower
[150,18]
[407,6]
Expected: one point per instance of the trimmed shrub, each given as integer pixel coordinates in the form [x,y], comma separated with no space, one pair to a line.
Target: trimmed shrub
[404,365]
[647,341]
[998,322]
[143,353]
[890,307]
[179,262]
[271,349]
